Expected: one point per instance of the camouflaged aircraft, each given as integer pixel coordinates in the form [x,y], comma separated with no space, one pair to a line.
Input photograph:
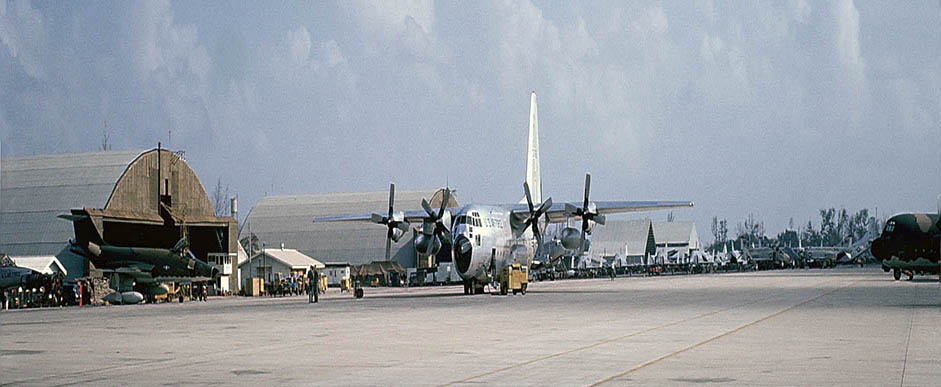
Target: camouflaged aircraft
[910,243]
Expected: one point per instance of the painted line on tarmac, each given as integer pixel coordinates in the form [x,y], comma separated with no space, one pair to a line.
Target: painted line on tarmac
[608,341]
[714,338]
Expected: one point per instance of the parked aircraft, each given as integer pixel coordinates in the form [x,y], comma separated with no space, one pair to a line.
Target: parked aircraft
[143,269]
[12,276]
[910,243]
[487,238]
[140,269]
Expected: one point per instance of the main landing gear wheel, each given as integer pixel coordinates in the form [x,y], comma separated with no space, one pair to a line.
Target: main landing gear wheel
[897,274]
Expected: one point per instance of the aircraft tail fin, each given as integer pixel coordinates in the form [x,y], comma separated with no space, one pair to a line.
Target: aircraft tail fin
[532,154]
[85,229]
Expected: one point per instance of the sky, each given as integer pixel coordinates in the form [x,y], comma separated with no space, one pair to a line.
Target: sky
[775,109]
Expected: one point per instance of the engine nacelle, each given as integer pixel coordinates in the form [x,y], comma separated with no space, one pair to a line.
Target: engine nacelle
[571,237]
[427,244]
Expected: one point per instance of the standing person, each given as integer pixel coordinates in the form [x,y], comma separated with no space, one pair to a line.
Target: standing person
[312,288]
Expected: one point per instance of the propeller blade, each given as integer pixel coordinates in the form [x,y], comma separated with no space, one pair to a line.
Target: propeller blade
[599,219]
[389,245]
[544,207]
[427,207]
[402,226]
[529,198]
[444,202]
[587,190]
[571,210]
[376,218]
[391,198]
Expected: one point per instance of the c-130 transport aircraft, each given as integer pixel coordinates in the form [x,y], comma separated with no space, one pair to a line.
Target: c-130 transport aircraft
[486,238]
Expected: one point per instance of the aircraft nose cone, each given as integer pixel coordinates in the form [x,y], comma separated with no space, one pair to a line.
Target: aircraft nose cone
[463,251]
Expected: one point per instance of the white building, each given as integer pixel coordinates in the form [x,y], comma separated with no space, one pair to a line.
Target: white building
[269,263]
[45,264]
[335,272]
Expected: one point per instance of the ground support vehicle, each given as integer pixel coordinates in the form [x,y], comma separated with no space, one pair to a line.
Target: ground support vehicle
[515,278]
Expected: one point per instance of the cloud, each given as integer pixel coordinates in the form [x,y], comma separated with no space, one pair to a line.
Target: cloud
[300,46]
[388,20]
[847,43]
[22,31]
[663,100]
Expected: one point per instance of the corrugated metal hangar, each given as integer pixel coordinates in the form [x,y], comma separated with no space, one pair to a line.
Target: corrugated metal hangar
[289,220]
[140,199]
[35,189]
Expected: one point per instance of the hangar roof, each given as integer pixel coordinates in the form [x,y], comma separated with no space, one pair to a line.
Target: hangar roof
[615,234]
[45,264]
[290,257]
[676,232]
[35,189]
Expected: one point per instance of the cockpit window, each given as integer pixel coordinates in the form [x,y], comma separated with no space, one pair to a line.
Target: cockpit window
[461,220]
[890,226]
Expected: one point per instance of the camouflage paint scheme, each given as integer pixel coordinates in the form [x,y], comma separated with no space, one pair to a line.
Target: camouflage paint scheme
[909,242]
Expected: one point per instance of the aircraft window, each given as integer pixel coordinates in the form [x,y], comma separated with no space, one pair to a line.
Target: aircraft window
[461,220]
[889,227]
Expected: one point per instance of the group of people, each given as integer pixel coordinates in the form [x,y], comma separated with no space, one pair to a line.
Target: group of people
[292,285]
[41,290]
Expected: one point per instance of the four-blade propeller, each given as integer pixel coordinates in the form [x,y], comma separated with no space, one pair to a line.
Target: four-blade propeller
[441,230]
[395,222]
[587,212]
[532,220]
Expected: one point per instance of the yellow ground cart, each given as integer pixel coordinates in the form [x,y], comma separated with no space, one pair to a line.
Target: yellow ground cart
[515,278]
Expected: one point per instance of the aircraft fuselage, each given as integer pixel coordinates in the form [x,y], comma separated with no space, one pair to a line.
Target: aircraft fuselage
[486,240]
[909,242]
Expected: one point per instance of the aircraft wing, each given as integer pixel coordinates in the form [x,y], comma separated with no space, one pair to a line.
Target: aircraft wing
[411,216]
[557,212]
[182,279]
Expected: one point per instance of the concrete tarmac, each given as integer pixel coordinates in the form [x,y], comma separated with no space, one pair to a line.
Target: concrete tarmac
[794,327]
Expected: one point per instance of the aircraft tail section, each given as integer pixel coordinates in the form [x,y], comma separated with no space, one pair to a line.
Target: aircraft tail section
[532,153]
[85,229]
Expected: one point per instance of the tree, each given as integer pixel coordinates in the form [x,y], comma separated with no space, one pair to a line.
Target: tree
[827,226]
[220,198]
[105,138]
[715,229]
[250,243]
[842,227]
[723,231]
